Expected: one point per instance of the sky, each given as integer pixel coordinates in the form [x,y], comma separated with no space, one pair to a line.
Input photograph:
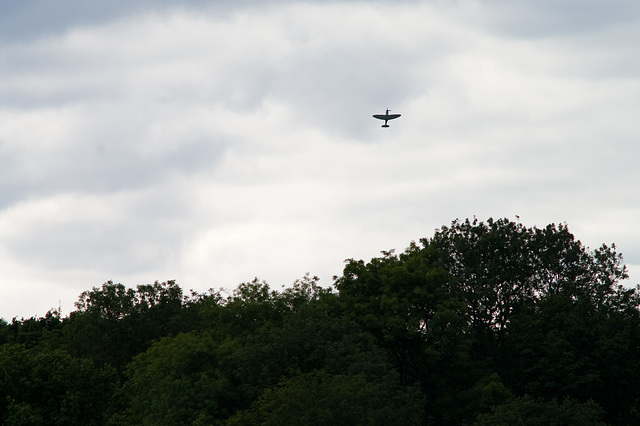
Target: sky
[212,142]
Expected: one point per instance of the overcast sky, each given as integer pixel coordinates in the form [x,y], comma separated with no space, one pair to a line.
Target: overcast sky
[212,142]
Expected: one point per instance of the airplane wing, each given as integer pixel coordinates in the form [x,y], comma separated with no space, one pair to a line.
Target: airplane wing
[386,116]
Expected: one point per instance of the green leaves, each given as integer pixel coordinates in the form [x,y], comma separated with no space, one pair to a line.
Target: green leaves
[490,322]
[114,323]
[527,411]
[178,380]
[208,375]
[51,387]
[481,298]
[320,398]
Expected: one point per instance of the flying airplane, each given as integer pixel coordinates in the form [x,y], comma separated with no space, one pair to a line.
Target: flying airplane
[386,117]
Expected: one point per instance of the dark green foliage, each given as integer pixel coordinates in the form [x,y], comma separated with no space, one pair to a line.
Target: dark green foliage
[321,398]
[50,387]
[526,411]
[208,376]
[32,331]
[563,347]
[113,323]
[409,303]
[485,323]
[526,306]
[179,380]
[489,391]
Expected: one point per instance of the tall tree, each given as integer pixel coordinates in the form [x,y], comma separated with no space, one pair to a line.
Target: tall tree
[412,306]
[113,323]
[445,308]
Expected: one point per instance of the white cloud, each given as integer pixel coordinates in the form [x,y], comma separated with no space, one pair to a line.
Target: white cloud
[210,148]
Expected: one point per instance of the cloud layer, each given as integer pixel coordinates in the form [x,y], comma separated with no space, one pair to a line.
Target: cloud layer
[213,143]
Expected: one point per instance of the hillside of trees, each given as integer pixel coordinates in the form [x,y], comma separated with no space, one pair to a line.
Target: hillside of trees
[485,323]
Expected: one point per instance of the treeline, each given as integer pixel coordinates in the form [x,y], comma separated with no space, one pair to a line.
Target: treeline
[485,323]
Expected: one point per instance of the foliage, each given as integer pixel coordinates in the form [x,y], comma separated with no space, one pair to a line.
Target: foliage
[445,310]
[50,387]
[113,323]
[407,302]
[207,376]
[487,322]
[527,411]
[31,331]
[178,380]
[321,398]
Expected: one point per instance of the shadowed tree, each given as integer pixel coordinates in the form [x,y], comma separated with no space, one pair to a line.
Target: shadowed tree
[411,305]
[445,309]
[490,322]
[113,323]
[527,411]
[263,343]
[50,387]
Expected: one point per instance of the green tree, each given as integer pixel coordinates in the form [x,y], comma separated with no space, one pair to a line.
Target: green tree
[310,367]
[180,380]
[455,310]
[50,387]
[527,411]
[32,331]
[501,265]
[257,339]
[567,347]
[114,323]
[492,322]
[414,309]
[319,398]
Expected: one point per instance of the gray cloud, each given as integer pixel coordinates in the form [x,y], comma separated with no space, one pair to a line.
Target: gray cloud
[30,19]
[547,19]
[172,140]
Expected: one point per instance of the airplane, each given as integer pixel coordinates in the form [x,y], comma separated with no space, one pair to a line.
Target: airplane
[386,117]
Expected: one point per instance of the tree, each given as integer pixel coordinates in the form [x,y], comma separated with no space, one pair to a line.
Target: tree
[488,322]
[259,339]
[527,411]
[113,323]
[180,380]
[321,369]
[323,399]
[456,309]
[31,331]
[412,306]
[566,347]
[501,265]
[50,387]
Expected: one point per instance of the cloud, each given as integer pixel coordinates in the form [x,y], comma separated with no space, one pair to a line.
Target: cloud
[212,143]
[549,19]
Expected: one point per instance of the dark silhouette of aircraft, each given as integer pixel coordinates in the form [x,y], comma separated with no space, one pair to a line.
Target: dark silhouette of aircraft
[386,117]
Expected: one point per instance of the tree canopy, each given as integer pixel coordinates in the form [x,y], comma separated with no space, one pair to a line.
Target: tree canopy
[483,323]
